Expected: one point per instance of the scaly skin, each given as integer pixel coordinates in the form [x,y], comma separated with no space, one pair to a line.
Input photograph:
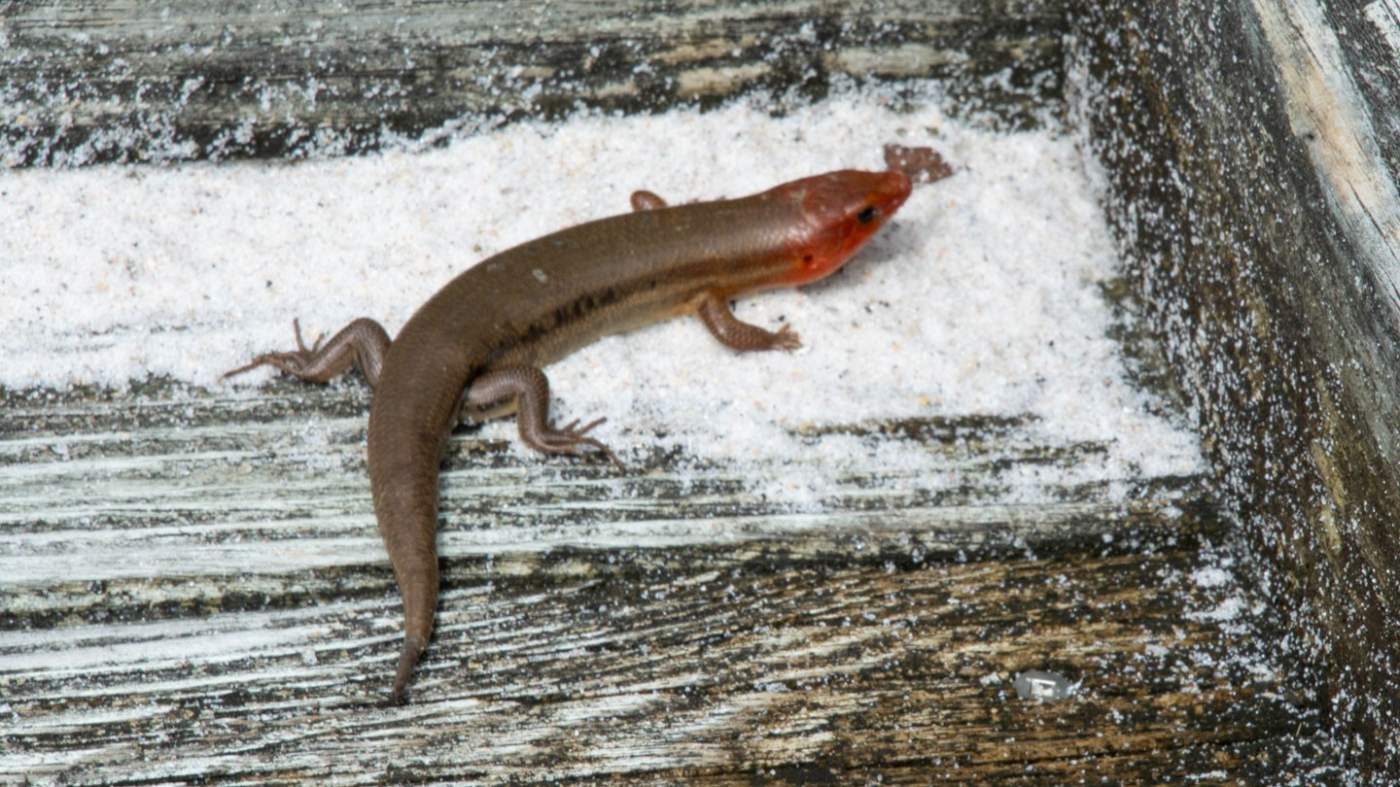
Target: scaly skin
[478,344]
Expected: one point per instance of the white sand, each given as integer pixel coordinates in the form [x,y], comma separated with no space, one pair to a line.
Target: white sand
[980,298]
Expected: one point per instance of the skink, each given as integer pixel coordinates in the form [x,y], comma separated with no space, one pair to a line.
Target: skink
[476,348]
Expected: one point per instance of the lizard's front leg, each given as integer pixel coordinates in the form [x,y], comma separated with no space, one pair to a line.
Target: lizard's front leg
[738,335]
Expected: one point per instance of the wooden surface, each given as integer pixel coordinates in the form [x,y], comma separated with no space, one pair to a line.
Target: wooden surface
[195,591]
[191,587]
[1255,188]
[117,80]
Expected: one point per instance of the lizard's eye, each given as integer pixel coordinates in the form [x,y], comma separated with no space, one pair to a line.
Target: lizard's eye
[868,215]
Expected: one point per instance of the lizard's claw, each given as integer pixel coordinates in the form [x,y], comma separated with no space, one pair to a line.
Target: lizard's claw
[572,438]
[292,362]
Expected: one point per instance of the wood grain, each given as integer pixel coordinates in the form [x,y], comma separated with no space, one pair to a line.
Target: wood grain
[192,590]
[117,80]
[195,591]
[680,666]
[1255,192]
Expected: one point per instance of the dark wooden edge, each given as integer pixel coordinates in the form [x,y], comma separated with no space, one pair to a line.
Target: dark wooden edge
[111,81]
[1278,328]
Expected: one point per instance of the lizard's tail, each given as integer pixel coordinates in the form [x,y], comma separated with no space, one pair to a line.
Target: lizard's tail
[408,424]
[413,647]
[417,572]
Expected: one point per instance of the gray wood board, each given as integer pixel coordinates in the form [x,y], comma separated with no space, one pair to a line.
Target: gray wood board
[194,590]
[1255,170]
[115,80]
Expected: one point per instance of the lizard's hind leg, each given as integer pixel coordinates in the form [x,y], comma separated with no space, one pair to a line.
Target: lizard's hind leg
[361,344]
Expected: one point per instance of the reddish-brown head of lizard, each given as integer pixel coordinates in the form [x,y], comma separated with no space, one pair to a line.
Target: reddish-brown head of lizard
[841,211]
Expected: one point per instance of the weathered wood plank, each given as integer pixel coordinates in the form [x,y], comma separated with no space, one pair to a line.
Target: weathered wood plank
[214,605]
[94,483]
[205,599]
[115,80]
[1255,187]
[697,664]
